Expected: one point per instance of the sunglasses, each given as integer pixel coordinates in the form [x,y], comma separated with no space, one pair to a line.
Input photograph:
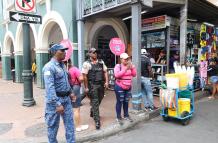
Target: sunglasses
[94,52]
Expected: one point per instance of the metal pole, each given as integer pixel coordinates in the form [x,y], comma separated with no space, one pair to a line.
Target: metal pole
[183,31]
[168,49]
[27,73]
[80,28]
[136,55]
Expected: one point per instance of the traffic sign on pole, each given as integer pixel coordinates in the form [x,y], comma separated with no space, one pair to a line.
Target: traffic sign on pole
[26,18]
[28,6]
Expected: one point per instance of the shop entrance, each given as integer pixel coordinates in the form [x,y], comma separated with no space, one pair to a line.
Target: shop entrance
[10,47]
[102,44]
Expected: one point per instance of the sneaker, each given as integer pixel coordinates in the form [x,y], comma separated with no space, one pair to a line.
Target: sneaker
[146,109]
[150,109]
[128,119]
[78,129]
[84,127]
[119,121]
[98,125]
[153,108]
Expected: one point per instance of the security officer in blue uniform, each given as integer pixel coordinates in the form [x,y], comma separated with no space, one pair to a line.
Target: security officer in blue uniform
[58,96]
[95,80]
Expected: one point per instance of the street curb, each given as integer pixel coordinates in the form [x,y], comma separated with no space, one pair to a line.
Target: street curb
[115,128]
[110,130]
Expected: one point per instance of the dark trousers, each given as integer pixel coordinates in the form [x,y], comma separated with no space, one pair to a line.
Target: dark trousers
[34,77]
[122,97]
[96,93]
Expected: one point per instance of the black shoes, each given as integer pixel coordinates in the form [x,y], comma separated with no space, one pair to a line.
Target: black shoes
[91,114]
[98,125]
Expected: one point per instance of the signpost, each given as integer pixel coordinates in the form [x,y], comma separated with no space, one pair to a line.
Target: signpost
[26,18]
[26,6]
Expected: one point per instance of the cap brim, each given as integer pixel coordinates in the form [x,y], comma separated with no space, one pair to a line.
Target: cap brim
[92,51]
[125,57]
[64,48]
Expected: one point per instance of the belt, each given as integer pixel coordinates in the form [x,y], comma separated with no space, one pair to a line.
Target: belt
[63,94]
[96,82]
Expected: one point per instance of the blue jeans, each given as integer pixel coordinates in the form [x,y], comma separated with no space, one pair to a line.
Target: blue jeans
[214,79]
[122,100]
[147,92]
[76,91]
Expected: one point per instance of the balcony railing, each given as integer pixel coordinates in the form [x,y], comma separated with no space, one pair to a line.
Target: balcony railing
[90,7]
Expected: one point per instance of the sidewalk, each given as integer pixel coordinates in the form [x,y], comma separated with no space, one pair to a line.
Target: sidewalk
[26,124]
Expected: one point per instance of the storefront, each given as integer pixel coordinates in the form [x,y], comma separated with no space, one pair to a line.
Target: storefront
[162,33]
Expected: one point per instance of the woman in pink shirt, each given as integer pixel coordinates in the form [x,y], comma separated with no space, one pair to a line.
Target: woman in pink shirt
[75,82]
[124,73]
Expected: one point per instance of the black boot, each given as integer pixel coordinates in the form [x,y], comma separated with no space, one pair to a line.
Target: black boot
[98,125]
[91,114]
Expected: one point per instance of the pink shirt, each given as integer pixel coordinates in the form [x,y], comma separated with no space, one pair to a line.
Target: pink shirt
[74,76]
[124,76]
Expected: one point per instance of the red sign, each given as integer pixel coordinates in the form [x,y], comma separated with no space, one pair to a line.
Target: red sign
[154,23]
[25,5]
[117,46]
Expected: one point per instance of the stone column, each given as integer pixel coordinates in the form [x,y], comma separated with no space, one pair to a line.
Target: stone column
[6,66]
[136,54]
[42,57]
[18,66]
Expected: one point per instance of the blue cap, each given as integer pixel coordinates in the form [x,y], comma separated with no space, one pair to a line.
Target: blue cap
[57,47]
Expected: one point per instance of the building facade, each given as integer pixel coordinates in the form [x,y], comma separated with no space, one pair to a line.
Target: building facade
[92,23]
[58,23]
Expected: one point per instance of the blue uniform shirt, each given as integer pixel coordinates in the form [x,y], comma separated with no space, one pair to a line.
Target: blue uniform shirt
[56,80]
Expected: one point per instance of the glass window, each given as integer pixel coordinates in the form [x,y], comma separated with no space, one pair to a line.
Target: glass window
[153,39]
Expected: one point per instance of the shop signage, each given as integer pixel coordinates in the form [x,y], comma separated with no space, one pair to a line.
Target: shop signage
[117,46]
[27,6]
[26,18]
[153,23]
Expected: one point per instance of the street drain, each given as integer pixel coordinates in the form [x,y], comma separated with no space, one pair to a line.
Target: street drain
[37,130]
[5,127]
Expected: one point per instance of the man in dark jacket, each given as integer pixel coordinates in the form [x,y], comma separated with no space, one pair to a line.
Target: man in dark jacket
[95,79]
[146,74]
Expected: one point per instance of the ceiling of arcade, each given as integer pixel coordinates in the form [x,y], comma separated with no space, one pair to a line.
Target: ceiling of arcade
[195,8]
